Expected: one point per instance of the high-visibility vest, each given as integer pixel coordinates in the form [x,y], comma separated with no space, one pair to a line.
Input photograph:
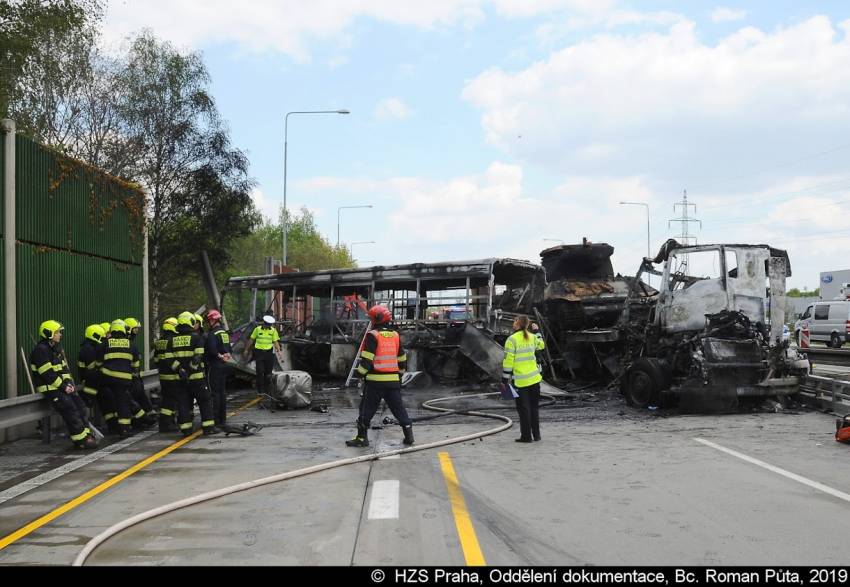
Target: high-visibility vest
[386,355]
[520,364]
[264,337]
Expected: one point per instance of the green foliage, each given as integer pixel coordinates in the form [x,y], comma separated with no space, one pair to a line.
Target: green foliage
[307,249]
[30,30]
[796,293]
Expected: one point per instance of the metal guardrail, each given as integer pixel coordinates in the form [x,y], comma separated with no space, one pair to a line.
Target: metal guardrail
[827,393]
[32,408]
[826,356]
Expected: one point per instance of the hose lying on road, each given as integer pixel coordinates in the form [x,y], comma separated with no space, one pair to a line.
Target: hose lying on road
[210,495]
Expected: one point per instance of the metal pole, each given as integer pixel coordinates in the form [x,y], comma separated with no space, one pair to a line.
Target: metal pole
[148,327]
[9,267]
[285,147]
[338,210]
[648,253]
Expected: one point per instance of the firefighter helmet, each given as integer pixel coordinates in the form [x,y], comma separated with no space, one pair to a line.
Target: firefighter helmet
[95,333]
[379,314]
[118,326]
[48,328]
[186,319]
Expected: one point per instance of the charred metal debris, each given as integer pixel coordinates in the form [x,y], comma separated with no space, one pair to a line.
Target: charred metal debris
[708,336]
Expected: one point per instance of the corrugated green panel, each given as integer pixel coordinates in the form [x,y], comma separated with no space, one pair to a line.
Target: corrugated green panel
[76,290]
[3,392]
[2,181]
[67,205]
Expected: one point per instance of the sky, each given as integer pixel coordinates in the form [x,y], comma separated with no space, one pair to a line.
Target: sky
[480,128]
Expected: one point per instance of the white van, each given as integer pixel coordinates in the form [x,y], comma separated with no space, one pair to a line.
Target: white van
[827,322]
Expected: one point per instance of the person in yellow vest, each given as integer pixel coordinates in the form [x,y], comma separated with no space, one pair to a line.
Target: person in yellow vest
[521,372]
[263,339]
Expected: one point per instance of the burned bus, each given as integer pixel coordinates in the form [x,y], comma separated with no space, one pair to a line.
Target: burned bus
[453,316]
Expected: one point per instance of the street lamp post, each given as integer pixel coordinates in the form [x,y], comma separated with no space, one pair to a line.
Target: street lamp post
[285,148]
[338,210]
[648,253]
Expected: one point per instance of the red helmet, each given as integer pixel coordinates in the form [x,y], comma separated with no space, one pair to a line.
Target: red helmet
[379,315]
[213,315]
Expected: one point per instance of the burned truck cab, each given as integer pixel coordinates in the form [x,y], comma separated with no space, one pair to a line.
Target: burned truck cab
[713,336]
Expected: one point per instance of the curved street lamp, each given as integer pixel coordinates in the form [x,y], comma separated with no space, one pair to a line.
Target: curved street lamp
[285,148]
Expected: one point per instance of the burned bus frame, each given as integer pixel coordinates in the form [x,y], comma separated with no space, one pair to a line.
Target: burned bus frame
[426,300]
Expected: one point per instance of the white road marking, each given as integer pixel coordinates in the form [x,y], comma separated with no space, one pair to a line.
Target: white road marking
[774,469]
[40,480]
[384,502]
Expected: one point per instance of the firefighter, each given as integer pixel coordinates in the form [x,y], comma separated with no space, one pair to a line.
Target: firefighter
[520,369]
[188,362]
[168,379]
[118,359]
[90,377]
[264,339]
[137,391]
[52,377]
[217,352]
[382,363]
[105,326]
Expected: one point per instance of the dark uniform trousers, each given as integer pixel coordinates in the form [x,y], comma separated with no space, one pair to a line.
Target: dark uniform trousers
[265,365]
[217,389]
[71,407]
[527,407]
[168,408]
[123,404]
[373,393]
[187,391]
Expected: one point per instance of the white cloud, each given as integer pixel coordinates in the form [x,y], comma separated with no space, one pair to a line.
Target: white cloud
[724,14]
[490,214]
[668,99]
[528,8]
[286,26]
[269,208]
[392,109]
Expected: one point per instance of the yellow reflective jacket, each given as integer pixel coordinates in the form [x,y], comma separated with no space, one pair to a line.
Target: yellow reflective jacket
[520,364]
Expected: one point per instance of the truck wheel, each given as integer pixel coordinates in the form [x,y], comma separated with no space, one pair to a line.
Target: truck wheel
[644,382]
[835,341]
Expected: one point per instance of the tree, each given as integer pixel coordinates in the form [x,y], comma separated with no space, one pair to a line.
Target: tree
[308,250]
[796,293]
[197,183]
[30,33]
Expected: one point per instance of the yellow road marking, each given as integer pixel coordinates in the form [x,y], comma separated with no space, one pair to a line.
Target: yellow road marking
[468,540]
[47,518]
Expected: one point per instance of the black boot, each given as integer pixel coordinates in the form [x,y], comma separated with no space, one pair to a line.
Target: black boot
[362,438]
[87,443]
[408,434]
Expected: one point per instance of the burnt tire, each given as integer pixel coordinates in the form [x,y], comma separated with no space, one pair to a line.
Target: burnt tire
[645,381]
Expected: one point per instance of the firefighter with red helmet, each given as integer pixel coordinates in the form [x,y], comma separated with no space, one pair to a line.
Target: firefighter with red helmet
[382,363]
